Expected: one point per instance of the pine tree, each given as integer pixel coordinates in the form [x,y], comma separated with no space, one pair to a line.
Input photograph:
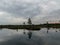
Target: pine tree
[29,21]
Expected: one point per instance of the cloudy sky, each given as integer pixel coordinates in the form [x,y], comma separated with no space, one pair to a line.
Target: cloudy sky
[18,11]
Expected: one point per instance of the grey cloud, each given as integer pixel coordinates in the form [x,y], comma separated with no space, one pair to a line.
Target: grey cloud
[54,15]
[20,9]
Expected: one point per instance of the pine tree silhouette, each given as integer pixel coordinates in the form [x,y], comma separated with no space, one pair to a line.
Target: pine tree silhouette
[29,21]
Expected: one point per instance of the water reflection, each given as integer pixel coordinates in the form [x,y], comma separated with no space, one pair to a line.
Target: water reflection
[11,37]
[48,30]
[29,34]
[24,32]
[56,30]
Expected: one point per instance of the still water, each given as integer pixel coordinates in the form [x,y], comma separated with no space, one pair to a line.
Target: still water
[12,37]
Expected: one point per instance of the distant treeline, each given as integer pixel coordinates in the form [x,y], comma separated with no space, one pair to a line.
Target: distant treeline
[30,26]
[20,26]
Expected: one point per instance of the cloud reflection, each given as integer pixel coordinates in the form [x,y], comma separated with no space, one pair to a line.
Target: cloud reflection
[11,37]
[21,40]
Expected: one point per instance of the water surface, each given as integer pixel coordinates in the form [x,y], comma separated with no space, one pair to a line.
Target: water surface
[12,37]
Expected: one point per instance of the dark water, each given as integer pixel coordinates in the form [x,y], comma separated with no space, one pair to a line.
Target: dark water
[12,37]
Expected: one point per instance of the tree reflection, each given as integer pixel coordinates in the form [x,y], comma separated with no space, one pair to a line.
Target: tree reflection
[29,34]
[24,32]
[48,29]
[24,29]
[56,30]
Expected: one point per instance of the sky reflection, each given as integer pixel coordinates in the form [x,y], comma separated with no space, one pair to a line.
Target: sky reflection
[12,37]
